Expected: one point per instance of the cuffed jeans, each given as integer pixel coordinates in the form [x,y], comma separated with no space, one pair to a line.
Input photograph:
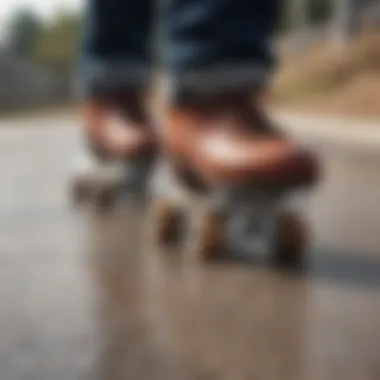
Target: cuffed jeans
[206,45]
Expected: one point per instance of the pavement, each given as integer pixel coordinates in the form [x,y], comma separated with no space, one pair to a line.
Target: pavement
[79,301]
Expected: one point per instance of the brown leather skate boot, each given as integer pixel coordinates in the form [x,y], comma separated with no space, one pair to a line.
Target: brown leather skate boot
[234,171]
[117,126]
[228,139]
[123,143]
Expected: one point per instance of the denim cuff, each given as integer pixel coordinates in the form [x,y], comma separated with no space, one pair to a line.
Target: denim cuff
[220,79]
[102,79]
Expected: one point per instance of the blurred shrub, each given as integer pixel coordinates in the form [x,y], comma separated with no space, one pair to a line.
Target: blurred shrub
[22,34]
[56,44]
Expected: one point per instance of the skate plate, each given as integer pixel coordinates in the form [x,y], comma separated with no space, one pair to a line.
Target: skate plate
[254,223]
[96,184]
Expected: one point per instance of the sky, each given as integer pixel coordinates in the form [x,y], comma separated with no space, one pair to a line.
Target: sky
[46,8]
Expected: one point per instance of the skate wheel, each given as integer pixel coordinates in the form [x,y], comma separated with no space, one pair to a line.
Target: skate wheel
[104,198]
[169,222]
[292,239]
[211,237]
[79,192]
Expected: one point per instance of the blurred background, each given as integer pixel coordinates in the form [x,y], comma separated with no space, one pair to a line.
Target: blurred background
[38,49]
[329,55]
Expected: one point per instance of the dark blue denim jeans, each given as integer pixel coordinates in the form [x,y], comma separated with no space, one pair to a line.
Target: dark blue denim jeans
[206,45]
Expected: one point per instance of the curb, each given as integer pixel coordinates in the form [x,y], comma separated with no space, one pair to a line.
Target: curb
[344,132]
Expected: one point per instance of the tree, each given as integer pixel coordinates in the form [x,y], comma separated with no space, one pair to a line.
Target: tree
[57,43]
[320,10]
[56,49]
[23,31]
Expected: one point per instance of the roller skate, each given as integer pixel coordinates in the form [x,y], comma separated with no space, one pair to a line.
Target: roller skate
[121,146]
[233,176]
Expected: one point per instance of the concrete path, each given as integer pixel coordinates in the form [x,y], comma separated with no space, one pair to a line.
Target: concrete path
[77,302]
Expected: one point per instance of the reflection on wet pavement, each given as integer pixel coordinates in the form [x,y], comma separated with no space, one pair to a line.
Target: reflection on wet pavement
[238,322]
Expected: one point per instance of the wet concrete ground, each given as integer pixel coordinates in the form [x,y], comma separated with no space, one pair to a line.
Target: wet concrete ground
[81,299]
